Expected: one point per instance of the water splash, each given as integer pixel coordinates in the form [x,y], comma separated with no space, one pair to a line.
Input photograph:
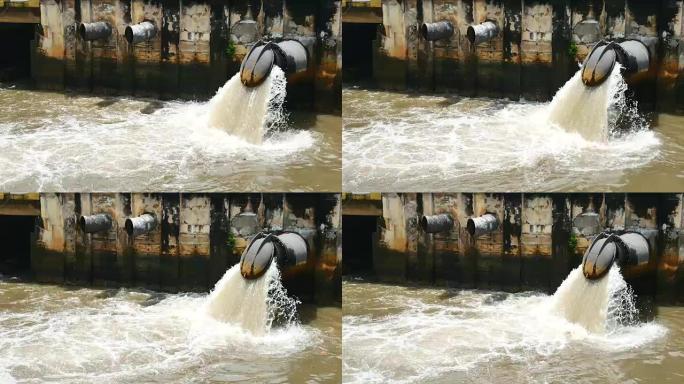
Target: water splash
[600,306]
[117,336]
[487,144]
[250,112]
[404,335]
[596,113]
[252,304]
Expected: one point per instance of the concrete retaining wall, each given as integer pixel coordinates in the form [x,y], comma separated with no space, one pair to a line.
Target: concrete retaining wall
[198,238]
[198,46]
[538,49]
[538,242]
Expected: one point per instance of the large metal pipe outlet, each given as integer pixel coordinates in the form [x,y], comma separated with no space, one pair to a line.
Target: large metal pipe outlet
[288,249]
[436,223]
[633,55]
[437,31]
[482,33]
[290,55]
[482,225]
[627,249]
[140,32]
[99,30]
[95,223]
[140,225]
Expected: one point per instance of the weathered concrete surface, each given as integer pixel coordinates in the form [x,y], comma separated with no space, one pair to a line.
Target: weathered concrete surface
[198,238]
[198,46]
[539,47]
[541,238]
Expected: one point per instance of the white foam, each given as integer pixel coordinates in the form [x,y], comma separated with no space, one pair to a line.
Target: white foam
[57,142]
[403,142]
[249,112]
[51,334]
[251,304]
[433,337]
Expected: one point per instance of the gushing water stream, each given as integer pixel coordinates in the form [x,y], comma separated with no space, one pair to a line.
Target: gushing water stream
[237,142]
[580,334]
[81,335]
[584,139]
[590,111]
[249,112]
[251,304]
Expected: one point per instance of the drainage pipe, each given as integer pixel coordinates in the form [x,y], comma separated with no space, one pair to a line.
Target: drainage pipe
[140,32]
[95,223]
[627,249]
[482,33]
[288,249]
[437,31]
[437,223]
[140,225]
[633,55]
[290,55]
[99,30]
[482,225]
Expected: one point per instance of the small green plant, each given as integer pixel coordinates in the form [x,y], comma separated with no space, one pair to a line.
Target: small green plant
[572,244]
[572,49]
[230,240]
[230,48]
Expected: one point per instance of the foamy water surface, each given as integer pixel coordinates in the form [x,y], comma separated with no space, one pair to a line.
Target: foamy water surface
[79,335]
[63,141]
[410,142]
[408,335]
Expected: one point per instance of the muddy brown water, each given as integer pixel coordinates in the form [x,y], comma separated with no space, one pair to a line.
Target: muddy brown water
[78,335]
[410,142]
[404,334]
[57,141]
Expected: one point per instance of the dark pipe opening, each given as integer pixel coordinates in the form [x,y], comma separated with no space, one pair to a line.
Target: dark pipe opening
[128,34]
[82,31]
[357,243]
[82,223]
[16,236]
[129,227]
[358,61]
[15,43]
[470,227]
[423,30]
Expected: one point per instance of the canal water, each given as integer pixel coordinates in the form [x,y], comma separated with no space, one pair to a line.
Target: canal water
[77,335]
[406,334]
[67,141]
[410,142]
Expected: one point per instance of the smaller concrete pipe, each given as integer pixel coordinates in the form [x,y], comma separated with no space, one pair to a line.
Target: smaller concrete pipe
[628,249]
[140,225]
[437,31]
[482,225]
[436,223]
[137,33]
[95,223]
[94,31]
[288,249]
[481,33]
